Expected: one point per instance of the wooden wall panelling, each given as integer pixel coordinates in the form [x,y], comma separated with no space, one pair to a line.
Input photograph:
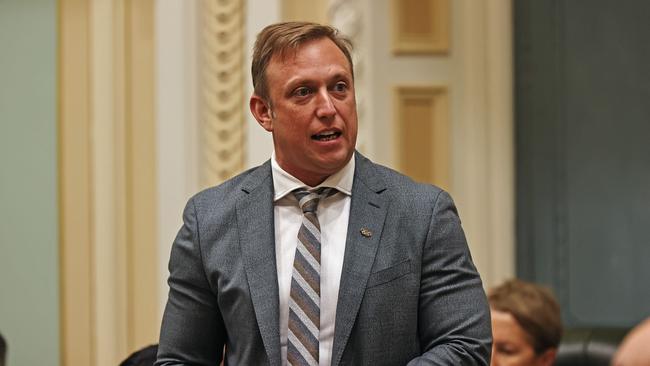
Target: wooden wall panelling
[420,26]
[422,133]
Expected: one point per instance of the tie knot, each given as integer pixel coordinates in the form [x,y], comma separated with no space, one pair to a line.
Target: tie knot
[308,199]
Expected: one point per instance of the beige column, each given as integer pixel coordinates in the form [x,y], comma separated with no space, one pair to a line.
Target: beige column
[483,142]
[107,185]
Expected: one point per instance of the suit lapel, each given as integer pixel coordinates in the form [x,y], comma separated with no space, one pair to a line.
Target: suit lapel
[367,214]
[256,226]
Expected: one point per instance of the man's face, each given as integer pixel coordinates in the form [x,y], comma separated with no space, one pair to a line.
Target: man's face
[312,112]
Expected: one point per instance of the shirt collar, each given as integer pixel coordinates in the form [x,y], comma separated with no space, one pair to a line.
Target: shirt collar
[284,183]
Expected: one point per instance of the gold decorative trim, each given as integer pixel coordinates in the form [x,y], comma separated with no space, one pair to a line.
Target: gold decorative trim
[222,91]
[143,322]
[109,219]
[422,133]
[75,185]
[420,26]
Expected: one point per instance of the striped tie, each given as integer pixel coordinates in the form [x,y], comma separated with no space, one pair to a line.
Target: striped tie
[304,302]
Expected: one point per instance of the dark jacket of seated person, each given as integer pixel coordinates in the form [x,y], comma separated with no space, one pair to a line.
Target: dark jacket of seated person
[143,357]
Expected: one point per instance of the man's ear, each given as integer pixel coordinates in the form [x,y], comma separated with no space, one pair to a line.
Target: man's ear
[261,110]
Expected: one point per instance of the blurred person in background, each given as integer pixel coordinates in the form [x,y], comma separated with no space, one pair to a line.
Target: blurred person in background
[142,357]
[635,349]
[526,324]
[3,350]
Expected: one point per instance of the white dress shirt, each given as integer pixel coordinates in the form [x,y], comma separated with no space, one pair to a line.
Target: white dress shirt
[333,214]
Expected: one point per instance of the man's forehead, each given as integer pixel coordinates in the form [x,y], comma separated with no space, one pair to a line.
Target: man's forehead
[283,55]
[288,55]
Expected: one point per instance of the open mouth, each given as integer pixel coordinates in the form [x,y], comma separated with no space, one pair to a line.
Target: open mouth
[326,136]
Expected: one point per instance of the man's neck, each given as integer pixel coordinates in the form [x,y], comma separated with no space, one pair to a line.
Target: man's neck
[284,182]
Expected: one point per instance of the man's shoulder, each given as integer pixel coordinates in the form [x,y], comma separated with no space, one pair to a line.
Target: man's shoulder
[396,182]
[406,197]
[234,187]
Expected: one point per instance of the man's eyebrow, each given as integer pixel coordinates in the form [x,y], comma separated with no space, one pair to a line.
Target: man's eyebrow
[342,75]
[293,82]
[298,80]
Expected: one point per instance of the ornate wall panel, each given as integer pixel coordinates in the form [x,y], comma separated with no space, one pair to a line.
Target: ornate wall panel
[222,90]
[422,133]
[420,26]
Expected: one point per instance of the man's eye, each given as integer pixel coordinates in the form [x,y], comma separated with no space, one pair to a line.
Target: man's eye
[302,91]
[340,87]
[506,350]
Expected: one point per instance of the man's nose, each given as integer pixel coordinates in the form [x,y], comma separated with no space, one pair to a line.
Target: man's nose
[325,105]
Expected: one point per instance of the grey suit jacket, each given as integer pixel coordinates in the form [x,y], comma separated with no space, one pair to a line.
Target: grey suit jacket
[409,293]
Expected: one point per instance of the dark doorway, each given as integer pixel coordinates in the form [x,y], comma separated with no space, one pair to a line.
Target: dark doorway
[582,100]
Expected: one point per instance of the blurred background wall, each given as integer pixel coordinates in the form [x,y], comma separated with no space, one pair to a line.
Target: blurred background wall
[115,112]
[29,265]
[583,183]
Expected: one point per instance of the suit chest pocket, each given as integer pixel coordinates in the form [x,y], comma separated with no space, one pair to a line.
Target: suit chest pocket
[390,274]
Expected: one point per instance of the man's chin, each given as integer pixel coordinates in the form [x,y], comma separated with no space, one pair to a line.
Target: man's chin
[335,162]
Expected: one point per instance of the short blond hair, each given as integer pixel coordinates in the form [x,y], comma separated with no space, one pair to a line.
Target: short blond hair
[281,37]
[535,309]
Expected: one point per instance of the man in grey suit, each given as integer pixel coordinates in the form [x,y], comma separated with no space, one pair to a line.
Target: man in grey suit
[319,256]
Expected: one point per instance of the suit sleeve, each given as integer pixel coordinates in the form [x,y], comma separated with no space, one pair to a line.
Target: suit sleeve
[454,316]
[192,331]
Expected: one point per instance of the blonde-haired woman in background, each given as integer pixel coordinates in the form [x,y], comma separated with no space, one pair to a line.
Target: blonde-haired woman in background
[526,324]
